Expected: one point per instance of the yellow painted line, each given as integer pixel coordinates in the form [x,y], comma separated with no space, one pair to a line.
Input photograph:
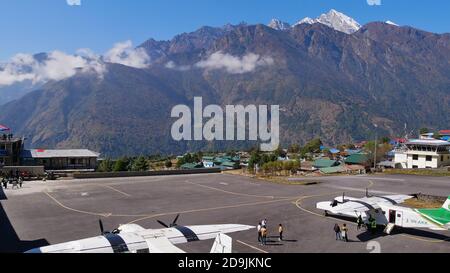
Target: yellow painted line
[254,247]
[149,216]
[235,193]
[76,210]
[211,209]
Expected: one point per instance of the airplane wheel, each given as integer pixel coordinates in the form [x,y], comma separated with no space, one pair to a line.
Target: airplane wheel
[326,213]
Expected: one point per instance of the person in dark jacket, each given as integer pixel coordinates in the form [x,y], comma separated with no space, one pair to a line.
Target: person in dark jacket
[337,230]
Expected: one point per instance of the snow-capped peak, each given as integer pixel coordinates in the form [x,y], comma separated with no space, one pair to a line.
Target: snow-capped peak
[307,20]
[391,23]
[335,20]
[279,25]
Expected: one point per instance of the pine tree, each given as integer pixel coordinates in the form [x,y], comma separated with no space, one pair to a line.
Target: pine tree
[140,164]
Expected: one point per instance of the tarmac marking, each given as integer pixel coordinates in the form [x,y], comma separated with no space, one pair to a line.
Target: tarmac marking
[114,189]
[76,210]
[212,209]
[149,216]
[253,247]
[236,193]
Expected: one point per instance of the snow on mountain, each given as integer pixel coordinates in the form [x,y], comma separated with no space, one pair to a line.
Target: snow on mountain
[335,20]
[279,25]
[306,20]
[391,23]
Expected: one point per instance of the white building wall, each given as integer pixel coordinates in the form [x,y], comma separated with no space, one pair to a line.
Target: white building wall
[422,163]
[401,158]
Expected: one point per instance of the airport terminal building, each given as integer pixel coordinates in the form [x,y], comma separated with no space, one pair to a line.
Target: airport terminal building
[61,160]
[14,156]
[423,154]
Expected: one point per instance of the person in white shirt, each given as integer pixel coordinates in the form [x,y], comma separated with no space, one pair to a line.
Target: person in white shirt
[259,233]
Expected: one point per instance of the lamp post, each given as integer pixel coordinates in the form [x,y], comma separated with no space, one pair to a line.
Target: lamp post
[376,146]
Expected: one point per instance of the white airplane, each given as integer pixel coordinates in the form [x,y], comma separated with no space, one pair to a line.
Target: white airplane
[385,210]
[133,238]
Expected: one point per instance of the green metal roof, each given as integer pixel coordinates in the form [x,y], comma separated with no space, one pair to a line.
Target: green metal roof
[229,164]
[324,163]
[331,170]
[357,159]
[191,166]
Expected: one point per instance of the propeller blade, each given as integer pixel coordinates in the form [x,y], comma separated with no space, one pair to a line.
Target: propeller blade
[101,226]
[162,223]
[174,223]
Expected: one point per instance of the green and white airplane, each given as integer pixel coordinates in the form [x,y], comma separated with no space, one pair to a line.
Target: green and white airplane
[386,211]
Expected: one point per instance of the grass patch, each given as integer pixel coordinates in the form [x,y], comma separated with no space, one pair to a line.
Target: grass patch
[282,180]
[285,181]
[422,204]
[418,172]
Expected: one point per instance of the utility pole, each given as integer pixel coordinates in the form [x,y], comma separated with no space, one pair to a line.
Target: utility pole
[376,146]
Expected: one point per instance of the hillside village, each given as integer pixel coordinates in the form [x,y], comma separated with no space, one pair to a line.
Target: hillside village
[428,151]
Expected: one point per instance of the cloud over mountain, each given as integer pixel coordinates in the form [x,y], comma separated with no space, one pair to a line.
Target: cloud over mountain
[58,65]
[233,64]
[124,53]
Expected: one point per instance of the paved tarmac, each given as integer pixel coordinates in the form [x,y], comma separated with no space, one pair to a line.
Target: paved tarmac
[58,211]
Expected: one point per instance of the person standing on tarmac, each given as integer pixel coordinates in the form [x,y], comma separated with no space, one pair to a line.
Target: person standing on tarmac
[280,231]
[259,233]
[359,221]
[264,235]
[373,226]
[345,233]
[337,230]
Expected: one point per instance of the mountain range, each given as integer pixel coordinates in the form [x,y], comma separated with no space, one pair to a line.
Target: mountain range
[332,78]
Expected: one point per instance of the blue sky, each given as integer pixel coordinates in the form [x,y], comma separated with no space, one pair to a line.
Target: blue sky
[32,26]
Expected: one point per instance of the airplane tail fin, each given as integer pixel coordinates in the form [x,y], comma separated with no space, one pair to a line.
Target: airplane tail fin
[222,244]
[447,204]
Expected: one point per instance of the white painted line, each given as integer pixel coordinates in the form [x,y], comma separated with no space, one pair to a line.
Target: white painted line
[254,247]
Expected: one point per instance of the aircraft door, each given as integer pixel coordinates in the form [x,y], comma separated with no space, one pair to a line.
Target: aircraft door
[392,216]
[399,218]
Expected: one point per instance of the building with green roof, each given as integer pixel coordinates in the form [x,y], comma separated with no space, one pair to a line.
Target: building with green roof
[358,159]
[324,163]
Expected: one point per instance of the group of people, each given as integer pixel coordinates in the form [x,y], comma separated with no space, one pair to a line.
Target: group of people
[342,232]
[263,232]
[11,178]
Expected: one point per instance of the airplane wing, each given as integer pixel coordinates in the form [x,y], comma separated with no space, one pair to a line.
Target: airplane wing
[222,244]
[390,199]
[361,205]
[353,206]
[161,245]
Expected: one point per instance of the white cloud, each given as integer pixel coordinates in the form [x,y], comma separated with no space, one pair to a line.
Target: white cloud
[57,66]
[233,64]
[73,2]
[374,2]
[124,53]
[172,65]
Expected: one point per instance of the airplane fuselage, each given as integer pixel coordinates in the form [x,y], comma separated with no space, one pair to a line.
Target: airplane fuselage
[385,214]
[133,239]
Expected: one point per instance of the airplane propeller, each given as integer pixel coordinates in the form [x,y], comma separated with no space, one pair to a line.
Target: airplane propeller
[102,230]
[173,224]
